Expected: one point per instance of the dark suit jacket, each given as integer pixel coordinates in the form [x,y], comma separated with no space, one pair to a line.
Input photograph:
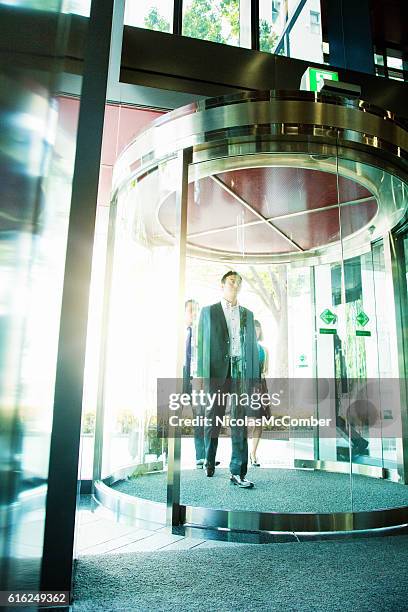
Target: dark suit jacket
[213,346]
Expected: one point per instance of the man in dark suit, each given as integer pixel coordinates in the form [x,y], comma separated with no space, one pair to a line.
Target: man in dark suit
[228,363]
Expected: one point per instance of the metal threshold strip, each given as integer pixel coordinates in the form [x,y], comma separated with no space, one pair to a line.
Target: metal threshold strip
[136,509]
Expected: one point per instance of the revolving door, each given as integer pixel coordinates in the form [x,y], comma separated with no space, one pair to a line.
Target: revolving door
[304,197]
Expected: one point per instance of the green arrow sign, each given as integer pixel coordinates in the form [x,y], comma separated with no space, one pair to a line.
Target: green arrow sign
[362,319]
[328,317]
[313,78]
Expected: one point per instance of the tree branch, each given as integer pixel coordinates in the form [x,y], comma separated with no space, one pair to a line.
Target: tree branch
[266,296]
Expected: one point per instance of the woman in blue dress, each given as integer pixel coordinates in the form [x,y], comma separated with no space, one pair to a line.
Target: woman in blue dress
[263,367]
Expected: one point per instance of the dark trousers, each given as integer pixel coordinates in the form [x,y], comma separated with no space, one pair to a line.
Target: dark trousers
[239,435]
[199,441]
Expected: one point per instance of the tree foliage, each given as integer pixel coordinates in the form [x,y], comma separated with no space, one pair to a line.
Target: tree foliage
[154,21]
[214,20]
[202,20]
[267,37]
[230,11]
[271,285]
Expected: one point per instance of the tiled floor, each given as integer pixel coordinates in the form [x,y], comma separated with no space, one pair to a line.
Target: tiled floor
[97,533]
[26,535]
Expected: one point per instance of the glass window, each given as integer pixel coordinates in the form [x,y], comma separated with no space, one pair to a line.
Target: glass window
[394,62]
[326,52]
[314,22]
[37,163]
[302,33]
[379,64]
[378,59]
[397,76]
[276,8]
[222,21]
[272,20]
[79,7]
[150,14]
[305,34]
[395,67]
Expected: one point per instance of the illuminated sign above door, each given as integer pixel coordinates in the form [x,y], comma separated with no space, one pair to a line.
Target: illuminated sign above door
[313,78]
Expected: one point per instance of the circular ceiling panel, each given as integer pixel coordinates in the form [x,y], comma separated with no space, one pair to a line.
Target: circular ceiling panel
[271,210]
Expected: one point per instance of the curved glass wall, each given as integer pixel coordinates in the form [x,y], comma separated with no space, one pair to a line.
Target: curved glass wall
[142,331]
[304,221]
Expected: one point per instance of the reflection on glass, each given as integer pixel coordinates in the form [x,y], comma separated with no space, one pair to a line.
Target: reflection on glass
[142,337]
[395,68]
[90,394]
[150,14]
[298,216]
[370,320]
[41,5]
[386,344]
[36,168]
[300,341]
[303,236]
[76,7]
[79,7]
[272,20]
[379,65]
[305,36]
[378,59]
[217,21]
[394,62]
[302,32]
[371,393]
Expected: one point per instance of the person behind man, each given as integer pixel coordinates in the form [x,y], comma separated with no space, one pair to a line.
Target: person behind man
[227,362]
[265,410]
[191,310]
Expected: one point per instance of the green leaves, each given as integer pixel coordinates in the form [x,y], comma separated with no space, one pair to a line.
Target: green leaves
[267,37]
[217,21]
[154,21]
[202,20]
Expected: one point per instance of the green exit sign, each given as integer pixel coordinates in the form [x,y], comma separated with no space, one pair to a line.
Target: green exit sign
[313,78]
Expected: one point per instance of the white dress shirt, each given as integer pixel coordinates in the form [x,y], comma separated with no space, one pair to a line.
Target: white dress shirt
[232,318]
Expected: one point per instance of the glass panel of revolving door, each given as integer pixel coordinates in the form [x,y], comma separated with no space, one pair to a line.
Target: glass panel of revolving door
[315,351]
[371,394]
[141,333]
[274,220]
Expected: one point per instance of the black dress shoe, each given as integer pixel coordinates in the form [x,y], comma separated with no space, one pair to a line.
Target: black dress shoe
[209,470]
[243,483]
